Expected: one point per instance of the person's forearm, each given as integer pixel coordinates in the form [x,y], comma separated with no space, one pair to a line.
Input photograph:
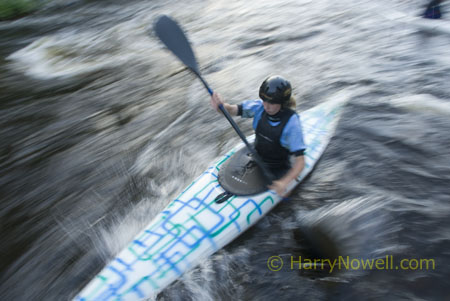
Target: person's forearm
[295,170]
[232,109]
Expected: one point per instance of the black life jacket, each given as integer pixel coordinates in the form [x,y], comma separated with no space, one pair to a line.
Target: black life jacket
[267,142]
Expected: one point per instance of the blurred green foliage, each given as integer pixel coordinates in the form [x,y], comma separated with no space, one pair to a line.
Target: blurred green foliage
[10,9]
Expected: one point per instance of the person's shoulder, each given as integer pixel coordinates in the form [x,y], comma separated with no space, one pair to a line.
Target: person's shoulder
[255,102]
[258,106]
[252,102]
[253,105]
[294,121]
[250,108]
[259,103]
[294,116]
[290,111]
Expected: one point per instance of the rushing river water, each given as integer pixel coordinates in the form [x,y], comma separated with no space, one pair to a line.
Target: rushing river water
[101,128]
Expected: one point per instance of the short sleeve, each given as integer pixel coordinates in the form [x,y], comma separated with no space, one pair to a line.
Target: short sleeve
[292,136]
[251,107]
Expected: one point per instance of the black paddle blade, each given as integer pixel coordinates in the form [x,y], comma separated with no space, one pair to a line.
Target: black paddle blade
[171,34]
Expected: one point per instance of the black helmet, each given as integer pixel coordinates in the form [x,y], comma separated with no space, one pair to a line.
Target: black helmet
[275,89]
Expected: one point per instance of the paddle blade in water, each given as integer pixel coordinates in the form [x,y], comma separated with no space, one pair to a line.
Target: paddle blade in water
[171,34]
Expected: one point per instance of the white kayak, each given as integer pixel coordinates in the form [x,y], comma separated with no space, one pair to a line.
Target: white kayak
[194,226]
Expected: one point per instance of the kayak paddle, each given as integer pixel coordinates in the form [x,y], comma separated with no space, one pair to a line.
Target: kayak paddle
[171,34]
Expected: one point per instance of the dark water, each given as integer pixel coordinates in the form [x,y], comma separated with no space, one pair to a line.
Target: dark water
[101,129]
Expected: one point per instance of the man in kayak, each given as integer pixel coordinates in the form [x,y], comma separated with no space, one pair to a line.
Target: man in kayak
[278,129]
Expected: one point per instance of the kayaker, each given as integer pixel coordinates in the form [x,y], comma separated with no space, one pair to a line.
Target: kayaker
[277,126]
[433,10]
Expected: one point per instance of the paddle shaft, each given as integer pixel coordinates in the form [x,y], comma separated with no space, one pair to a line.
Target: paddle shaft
[267,174]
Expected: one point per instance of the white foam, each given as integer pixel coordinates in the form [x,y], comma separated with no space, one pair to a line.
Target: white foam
[422,102]
[69,54]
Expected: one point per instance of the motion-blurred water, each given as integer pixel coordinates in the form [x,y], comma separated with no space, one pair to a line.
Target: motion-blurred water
[101,128]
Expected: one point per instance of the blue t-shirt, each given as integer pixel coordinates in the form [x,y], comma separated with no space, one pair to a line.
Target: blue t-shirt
[292,135]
